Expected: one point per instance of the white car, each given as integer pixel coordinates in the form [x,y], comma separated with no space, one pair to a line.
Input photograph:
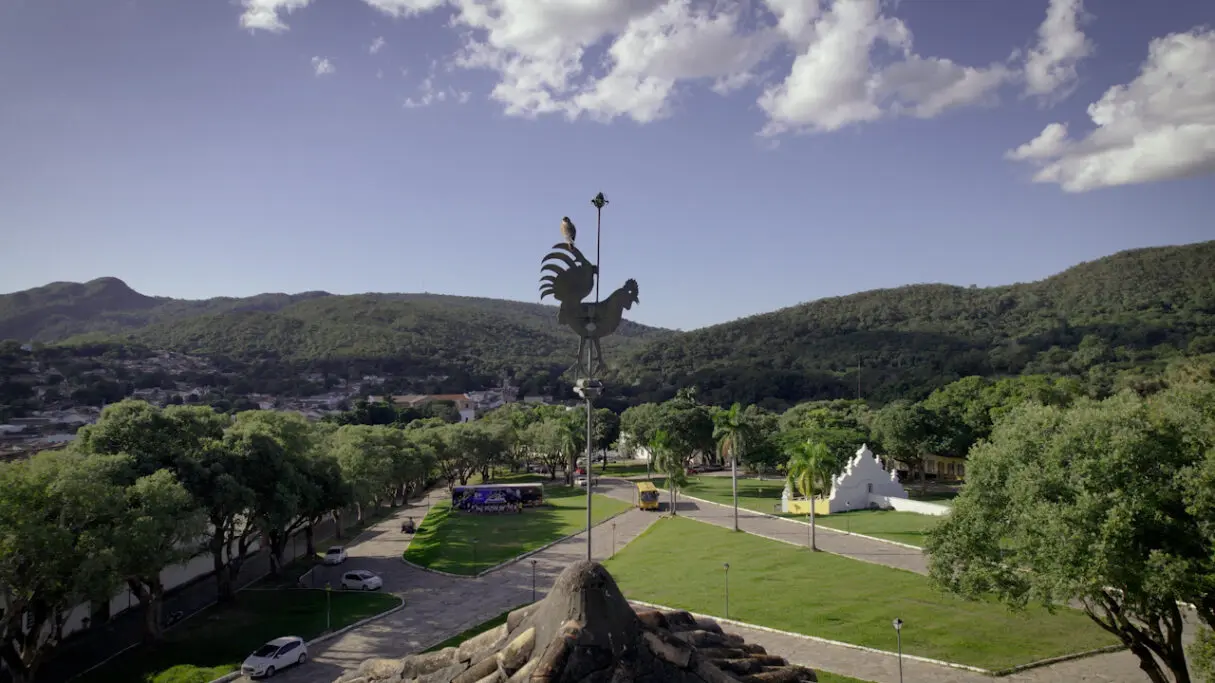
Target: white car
[363,580]
[275,656]
[581,481]
[335,555]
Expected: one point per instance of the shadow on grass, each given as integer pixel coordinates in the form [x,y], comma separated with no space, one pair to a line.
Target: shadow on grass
[222,636]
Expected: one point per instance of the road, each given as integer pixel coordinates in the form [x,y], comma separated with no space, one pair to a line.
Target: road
[438,607]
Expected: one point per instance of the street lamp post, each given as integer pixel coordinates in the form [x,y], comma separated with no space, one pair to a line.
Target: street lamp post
[474,553]
[328,607]
[727,566]
[898,634]
[533,580]
[848,518]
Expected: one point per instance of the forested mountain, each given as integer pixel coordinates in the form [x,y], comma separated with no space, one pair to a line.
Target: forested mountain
[414,335]
[1133,309]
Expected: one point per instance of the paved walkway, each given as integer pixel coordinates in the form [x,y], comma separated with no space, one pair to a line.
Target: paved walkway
[438,607]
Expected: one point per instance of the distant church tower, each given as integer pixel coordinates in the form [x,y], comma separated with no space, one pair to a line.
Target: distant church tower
[510,394]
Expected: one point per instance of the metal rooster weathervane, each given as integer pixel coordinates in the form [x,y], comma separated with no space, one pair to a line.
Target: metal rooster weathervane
[569,277]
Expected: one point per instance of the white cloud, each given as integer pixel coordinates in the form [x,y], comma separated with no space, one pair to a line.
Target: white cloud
[432,95]
[1159,126]
[405,8]
[376,45]
[322,66]
[264,14]
[851,62]
[834,83]
[1050,67]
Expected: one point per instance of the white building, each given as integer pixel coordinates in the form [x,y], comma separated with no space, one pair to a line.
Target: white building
[863,484]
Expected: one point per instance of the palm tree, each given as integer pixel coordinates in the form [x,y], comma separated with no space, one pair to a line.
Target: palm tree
[668,463]
[811,467]
[731,434]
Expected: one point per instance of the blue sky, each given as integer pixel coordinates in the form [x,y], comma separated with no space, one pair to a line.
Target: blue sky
[757,154]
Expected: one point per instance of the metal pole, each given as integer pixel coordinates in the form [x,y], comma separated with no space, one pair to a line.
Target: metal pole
[727,566]
[328,608]
[898,634]
[734,483]
[533,580]
[589,469]
[613,540]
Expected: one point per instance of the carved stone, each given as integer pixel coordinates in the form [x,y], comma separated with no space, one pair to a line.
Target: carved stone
[585,631]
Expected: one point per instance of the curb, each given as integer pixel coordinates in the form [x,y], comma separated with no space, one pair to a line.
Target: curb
[513,560]
[800,523]
[1058,660]
[826,641]
[328,636]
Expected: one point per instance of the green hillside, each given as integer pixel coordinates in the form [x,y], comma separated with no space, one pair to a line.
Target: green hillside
[1130,312]
[1133,309]
[413,335]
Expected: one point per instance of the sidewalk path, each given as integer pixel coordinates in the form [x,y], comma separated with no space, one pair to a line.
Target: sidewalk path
[438,607]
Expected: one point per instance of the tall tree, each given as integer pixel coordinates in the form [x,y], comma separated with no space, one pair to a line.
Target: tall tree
[161,526]
[810,469]
[58,529]
[670,463]
[1052,484]
[905,432]
[276,446]
[733,434]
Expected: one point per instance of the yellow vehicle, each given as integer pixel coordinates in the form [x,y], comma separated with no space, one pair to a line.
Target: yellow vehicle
[647,496]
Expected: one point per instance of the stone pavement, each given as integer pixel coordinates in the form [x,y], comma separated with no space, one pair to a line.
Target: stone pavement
[438,607]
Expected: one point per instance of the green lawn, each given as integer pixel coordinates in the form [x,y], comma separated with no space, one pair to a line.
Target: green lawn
[678,563]
[760,495]
[764,496]
[893,525]
[828,677]
[218,640]
[464,543]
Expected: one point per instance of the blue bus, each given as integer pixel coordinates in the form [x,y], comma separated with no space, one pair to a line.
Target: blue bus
[496,497]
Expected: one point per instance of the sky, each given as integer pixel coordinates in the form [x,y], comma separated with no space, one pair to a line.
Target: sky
[756,153]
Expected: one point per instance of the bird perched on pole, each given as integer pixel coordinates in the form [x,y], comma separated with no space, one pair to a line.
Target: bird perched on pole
[568,231]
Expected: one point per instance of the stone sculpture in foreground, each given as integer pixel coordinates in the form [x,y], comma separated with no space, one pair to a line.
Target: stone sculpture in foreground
[585,631]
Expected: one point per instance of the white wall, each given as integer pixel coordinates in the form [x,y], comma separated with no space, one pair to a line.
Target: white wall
[862,481]
[173,576]
[907,505]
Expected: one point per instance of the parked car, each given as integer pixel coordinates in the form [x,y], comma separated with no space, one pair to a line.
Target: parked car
[275,656]
[581,481]
[335,555]
[361,580]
